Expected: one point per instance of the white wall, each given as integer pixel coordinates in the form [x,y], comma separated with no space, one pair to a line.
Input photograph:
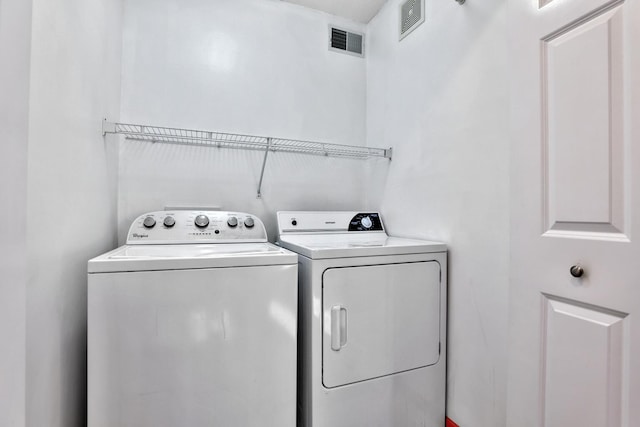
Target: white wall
[15,38]
[247,66]
[262,67]
[75,75]
[250,66]
[440,98]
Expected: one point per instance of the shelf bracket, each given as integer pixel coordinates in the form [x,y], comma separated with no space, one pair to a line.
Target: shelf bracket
[108,127]
[264,163]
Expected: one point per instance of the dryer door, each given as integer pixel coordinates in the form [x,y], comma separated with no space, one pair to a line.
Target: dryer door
[379,320]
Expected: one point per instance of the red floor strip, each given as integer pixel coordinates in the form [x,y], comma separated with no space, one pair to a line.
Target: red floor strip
[449,423]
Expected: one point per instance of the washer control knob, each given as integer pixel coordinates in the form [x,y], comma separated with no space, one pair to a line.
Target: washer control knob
[366,222]
[202,221]
[149,222]
[169,221]
[249,222]
[232,221]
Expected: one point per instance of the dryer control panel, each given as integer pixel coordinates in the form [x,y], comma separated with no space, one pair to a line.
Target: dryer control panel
[177,227]
[302,222]
[366,222]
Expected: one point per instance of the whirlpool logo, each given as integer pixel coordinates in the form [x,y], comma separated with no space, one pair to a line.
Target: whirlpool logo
[140,236]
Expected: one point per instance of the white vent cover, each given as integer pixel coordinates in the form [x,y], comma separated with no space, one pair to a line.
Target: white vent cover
[411,16]
[346,41]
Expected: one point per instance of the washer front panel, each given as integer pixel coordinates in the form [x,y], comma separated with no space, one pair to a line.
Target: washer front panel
[213,347]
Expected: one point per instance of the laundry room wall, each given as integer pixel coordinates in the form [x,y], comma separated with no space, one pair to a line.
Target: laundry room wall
[242,66]
[15,41]
[71,194]
[439,97]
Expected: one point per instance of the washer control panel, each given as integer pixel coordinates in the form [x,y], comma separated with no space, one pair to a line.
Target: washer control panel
[176,227]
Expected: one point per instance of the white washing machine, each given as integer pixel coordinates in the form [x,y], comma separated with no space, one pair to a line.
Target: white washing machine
[372,322]
[193,323]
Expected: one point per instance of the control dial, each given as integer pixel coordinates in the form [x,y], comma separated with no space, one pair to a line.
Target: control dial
[249,223]
[202,221]
[169,221]
[149,222]
[232,221]
[366,222]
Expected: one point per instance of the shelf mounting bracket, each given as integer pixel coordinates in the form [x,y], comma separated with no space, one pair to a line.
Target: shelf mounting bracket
[264,163]
[108,127]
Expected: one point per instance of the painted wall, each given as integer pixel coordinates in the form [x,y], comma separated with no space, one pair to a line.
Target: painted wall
[75,81]
[246,66]
[250,66]
[440,98]
[15,38]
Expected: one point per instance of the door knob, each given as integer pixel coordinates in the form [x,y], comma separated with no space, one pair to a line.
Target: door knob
[576,270]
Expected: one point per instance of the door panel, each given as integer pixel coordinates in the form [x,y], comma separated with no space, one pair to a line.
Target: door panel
[582,125]
[582,356]
[379,320]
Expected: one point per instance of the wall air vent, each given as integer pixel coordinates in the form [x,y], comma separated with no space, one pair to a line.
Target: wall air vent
[346,41]
[411,16]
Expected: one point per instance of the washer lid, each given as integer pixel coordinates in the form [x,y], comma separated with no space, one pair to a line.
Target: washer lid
[322,246]
[180,257]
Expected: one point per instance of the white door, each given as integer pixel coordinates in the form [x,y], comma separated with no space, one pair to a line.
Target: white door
[574,356]
[379,320]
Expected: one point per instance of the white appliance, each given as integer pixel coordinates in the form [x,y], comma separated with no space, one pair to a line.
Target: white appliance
[193,323]
[372,322]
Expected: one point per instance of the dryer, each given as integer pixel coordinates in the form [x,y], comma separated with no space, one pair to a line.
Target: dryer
[372,322]
[193,323]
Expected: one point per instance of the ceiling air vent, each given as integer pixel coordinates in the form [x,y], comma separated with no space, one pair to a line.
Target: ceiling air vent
[346,41]
[411,16]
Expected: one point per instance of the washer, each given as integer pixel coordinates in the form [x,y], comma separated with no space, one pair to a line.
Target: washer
[372,322]
[193,323]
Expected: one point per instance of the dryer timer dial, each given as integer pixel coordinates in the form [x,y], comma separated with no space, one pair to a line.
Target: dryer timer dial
[366,222]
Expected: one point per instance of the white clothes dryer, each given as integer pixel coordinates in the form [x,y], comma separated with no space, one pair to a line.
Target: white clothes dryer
[372,322]
[193,323]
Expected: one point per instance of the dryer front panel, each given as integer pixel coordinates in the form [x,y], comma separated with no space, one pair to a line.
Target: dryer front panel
[379,320]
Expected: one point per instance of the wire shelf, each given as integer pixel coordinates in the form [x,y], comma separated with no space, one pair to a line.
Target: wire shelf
[167,135]
[239,141]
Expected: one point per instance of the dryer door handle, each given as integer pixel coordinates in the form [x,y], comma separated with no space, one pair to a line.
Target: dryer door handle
[338,327]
